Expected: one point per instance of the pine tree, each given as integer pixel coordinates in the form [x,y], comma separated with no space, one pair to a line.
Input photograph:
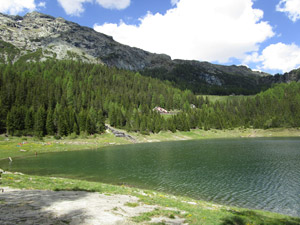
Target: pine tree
[143,127]
[10,124]
[40,122]
[70,119]
[90,126]
[157,125]
[100,126]
[112,116]
[82,121]
[76,128]
[91,121]
[29,121]
[19,119]
[70,94]
[171,125]
[50,123]
[62,126]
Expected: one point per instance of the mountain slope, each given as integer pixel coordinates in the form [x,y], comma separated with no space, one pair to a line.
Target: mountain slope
[293,75]
[63,39]
[37,37]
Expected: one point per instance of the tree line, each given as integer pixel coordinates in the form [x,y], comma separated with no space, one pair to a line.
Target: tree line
[69,97]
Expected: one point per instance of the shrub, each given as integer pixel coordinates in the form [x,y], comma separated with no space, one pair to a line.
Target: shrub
[57,137]
[73,135]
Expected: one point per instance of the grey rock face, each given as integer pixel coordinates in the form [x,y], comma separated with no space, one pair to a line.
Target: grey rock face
[62,39]
[212,80]
[38,31]
[293,75]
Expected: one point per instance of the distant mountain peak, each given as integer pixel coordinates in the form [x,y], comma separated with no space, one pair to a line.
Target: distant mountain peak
[44,36]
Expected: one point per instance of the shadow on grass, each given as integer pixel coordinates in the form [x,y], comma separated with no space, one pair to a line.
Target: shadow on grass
[250,217]
[35,207]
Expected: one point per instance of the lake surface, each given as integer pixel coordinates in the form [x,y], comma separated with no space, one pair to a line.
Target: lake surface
[261,173]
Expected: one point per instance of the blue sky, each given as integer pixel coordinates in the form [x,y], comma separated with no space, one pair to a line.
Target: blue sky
[262,34]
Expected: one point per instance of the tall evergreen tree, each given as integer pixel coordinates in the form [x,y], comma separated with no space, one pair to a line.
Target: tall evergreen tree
[10,124]
[29,121]
[82,120]
[62,126]
[50,128]
[40,122]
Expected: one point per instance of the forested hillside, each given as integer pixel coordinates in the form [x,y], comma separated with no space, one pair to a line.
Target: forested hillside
[68,97]
[199,80]
[277,107]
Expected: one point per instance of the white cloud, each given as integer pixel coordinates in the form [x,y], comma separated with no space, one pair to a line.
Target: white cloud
[174,2]
[214,30]
[252,58]
[42,4]
[114,4]
[75,7]
[14,7]
[280,56]
[291,8]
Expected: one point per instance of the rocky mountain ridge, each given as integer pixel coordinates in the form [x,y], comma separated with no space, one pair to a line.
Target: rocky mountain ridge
[36,37]
[64,39]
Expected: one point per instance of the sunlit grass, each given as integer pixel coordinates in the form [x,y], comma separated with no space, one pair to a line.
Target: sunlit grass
[220,98]
[197,134]
[193,211]
[25,146]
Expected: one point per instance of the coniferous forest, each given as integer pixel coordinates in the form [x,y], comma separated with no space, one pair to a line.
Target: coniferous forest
[67,97]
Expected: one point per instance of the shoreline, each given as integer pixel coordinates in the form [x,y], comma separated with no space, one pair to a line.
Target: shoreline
[190,210]
[129,205]
[25,146]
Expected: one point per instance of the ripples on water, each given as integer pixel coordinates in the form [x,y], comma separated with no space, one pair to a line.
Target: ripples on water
[252,173]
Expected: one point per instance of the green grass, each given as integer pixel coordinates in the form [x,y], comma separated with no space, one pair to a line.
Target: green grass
[220,98]
[193,211]
[157,212]
[197,134]
[132,204]
[25,146]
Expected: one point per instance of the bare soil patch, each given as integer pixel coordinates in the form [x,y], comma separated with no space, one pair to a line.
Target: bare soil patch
[71,207]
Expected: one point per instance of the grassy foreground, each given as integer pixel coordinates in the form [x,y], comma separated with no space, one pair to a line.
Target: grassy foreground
[194,211]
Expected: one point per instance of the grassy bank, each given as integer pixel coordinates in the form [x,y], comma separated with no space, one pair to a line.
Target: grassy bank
[193,211]
[24,146]
[210,134]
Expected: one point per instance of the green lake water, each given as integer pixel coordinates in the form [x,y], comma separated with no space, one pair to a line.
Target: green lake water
[260,173]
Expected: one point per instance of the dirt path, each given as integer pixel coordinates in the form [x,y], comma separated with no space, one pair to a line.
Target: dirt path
[118,133]
[71,207]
